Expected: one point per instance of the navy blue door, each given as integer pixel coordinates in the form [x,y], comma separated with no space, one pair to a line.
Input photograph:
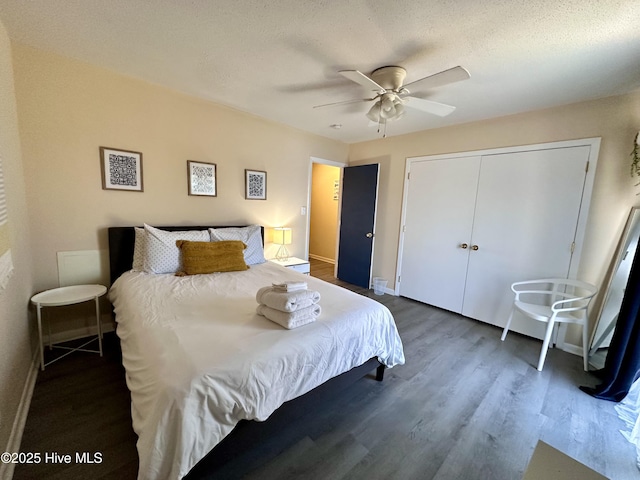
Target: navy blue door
[357,222]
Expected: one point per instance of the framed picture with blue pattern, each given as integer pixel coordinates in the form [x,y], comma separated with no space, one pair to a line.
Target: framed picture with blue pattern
[121,169]
[202,178]
[255,182]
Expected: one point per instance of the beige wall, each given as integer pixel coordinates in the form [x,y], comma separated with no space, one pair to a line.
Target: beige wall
[68,109]
[15,345]
[324,212]
[615,119]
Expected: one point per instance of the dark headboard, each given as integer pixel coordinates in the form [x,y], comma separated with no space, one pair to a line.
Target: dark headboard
[122,239]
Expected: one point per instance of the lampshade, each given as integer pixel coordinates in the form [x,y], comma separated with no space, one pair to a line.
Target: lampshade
[386,105]
[282,235]
[374,113]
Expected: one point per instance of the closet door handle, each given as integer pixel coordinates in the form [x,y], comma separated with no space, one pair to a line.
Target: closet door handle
[463,246]
[369,235]
[474,247]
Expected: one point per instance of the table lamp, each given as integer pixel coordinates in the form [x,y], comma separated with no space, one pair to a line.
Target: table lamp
[282,237]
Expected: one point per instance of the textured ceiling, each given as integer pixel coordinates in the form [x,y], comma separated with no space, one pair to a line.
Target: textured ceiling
[278,59]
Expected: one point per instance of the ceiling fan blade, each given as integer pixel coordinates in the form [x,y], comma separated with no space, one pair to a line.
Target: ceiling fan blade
[452,75]
[429,106]
[362,79]
[346,102]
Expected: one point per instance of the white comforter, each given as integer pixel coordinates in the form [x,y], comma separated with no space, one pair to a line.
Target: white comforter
[199,359]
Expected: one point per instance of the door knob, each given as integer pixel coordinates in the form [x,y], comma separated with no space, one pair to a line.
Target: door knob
[474,247]
[463,246]
[369,235]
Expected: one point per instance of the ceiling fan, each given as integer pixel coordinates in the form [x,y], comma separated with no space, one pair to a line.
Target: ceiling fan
[392,95]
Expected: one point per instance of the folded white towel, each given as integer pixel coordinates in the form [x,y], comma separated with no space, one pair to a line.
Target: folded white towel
[290,286]
[287,301]
[292,319]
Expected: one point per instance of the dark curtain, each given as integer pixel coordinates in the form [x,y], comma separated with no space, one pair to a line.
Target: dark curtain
[622,366]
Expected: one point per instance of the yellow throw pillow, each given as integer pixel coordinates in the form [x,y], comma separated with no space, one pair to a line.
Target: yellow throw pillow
[211,257]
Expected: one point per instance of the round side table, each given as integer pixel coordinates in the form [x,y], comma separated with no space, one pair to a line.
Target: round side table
[57,297]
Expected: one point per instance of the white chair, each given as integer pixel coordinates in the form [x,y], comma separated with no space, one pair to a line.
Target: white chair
[554,300]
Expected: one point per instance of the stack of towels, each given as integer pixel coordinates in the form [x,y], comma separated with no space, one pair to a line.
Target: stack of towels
[289,304]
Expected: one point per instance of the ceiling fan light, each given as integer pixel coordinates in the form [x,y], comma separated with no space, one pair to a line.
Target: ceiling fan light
[400,111]
[374,112]
[388,114]
[387,103]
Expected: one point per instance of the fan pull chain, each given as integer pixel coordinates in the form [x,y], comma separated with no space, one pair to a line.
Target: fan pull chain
[384,129]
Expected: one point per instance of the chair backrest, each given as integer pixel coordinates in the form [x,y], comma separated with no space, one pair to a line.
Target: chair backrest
[576,293]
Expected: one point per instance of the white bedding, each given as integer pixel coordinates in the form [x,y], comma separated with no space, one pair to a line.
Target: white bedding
[199,359]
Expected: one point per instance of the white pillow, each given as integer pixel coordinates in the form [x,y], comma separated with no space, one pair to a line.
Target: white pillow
[251,236]
[161,254]
[138,250]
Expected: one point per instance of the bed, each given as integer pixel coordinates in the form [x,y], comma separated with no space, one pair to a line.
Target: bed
[205,371]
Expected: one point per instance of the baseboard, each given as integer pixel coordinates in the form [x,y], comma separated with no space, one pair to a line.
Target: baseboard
[322,259]
[389,291]
[76,333]
[6,469]
[571,348]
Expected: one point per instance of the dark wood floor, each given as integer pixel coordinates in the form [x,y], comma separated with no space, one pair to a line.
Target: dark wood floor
[465,406]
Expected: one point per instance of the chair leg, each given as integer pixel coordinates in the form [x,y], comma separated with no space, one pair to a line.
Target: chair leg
[506,327]
[545,343]
[585,345]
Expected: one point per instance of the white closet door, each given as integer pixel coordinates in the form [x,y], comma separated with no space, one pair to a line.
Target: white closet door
[525,223]
[438,218]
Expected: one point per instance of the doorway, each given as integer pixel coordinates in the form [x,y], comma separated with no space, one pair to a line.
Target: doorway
[335,234]
[324,210]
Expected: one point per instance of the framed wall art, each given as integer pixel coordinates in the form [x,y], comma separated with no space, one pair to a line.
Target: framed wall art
[255,182]
[202,178]
[121,169]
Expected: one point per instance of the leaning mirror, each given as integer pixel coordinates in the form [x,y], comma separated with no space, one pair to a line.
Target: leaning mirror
[614,290]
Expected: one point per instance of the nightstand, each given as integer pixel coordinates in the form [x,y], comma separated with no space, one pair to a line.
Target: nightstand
[294,263]
[71,295]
